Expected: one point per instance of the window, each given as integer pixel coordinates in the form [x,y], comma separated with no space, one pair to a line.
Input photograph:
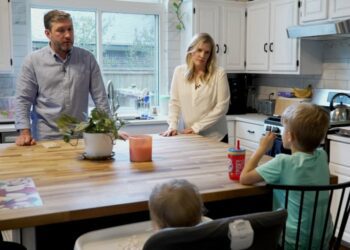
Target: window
[130,55]
[127,49]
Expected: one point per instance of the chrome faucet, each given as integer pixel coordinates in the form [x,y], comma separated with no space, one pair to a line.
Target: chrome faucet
[112,98]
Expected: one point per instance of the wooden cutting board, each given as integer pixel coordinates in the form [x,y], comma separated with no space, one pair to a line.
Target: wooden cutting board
[283,102]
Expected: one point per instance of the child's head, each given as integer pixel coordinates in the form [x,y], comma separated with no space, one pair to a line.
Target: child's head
[305,126]
[176,203]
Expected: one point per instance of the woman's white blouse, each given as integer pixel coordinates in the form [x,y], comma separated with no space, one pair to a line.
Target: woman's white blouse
[203,109]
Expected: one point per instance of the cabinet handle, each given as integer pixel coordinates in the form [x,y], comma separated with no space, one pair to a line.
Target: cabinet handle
[225,48]
[265,44]
[270,47]
[217,48]
[251,131]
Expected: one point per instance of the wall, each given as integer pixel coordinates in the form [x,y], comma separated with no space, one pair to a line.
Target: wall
[336,72]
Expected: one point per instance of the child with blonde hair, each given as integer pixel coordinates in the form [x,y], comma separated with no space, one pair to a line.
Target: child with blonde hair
[305,126]
[175,203]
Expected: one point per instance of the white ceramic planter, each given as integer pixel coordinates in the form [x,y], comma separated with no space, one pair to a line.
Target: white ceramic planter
[98,144]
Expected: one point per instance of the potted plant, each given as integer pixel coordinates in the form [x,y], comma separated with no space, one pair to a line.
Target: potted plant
[99,132]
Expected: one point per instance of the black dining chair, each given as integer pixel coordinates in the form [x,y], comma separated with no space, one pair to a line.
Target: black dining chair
[267,228]
[336,198]
[7,245]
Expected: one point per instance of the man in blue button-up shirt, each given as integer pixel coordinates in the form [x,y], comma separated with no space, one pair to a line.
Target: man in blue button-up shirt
[54,80]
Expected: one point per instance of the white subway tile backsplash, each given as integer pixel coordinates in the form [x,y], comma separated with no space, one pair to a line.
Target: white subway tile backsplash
[342,75]
[335,84]
[329,74]
[336,64]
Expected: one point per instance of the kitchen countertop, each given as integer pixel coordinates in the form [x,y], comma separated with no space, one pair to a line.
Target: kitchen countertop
[250,117]
[339,138]
[136,122]
[74,189]
[7,128]
[156,120]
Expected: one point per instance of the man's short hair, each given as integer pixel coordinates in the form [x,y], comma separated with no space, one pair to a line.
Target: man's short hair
[55,16]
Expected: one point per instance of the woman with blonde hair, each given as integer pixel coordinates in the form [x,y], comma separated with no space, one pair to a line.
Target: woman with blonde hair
[199,93]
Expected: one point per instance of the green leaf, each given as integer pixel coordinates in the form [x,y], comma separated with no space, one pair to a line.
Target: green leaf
[99,122]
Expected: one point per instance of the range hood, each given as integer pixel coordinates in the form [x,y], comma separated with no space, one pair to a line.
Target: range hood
[324,31]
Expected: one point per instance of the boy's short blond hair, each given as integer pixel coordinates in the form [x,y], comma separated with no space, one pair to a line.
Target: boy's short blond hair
[308,123]
[176,203]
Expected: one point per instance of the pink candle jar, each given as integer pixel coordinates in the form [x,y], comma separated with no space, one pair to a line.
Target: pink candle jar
[140,148]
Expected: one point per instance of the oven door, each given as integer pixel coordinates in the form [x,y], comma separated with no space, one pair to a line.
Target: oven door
[278,148]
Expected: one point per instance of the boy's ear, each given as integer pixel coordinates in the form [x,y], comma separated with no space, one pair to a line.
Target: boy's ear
[290,136]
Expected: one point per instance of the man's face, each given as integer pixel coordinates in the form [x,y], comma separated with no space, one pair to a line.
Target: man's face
[61,36]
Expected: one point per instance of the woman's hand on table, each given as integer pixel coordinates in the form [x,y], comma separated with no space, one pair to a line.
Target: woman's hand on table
[169,132]
[188,131]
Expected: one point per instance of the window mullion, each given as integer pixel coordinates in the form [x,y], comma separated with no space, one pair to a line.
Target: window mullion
[99,37]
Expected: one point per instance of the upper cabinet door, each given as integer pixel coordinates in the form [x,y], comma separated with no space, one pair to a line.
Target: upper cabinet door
[207,20]
[233,37]
[339,8]
[313,10]
[5,37]
[283,51]
[225,22]
[258,36]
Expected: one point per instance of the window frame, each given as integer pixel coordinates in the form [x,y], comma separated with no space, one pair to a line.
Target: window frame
[119,6]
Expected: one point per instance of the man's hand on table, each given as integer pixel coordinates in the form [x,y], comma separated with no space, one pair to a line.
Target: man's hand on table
[25,138]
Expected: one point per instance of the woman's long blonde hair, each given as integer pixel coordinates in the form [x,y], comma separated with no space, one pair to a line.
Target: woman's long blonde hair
[197,40]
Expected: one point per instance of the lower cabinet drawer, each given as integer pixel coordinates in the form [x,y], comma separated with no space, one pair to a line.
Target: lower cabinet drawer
[249,131]
[248,145]
[339,153]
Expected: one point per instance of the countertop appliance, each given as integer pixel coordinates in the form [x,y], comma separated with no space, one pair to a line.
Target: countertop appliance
[239,84]
[267,106]
[340,112]
[323,31]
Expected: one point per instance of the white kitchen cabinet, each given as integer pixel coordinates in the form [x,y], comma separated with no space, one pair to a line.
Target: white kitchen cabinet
[225,22]
[249,134]
[323,10]
[339,164]
[258,26]
[5,37]
[269,50]
[339,9]
[313,10]
[268,47]
[248,129]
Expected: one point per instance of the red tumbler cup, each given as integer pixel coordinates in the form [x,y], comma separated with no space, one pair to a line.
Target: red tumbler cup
[236,159]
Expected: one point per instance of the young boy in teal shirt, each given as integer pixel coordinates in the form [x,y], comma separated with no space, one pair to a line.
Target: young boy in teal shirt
[305,126]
